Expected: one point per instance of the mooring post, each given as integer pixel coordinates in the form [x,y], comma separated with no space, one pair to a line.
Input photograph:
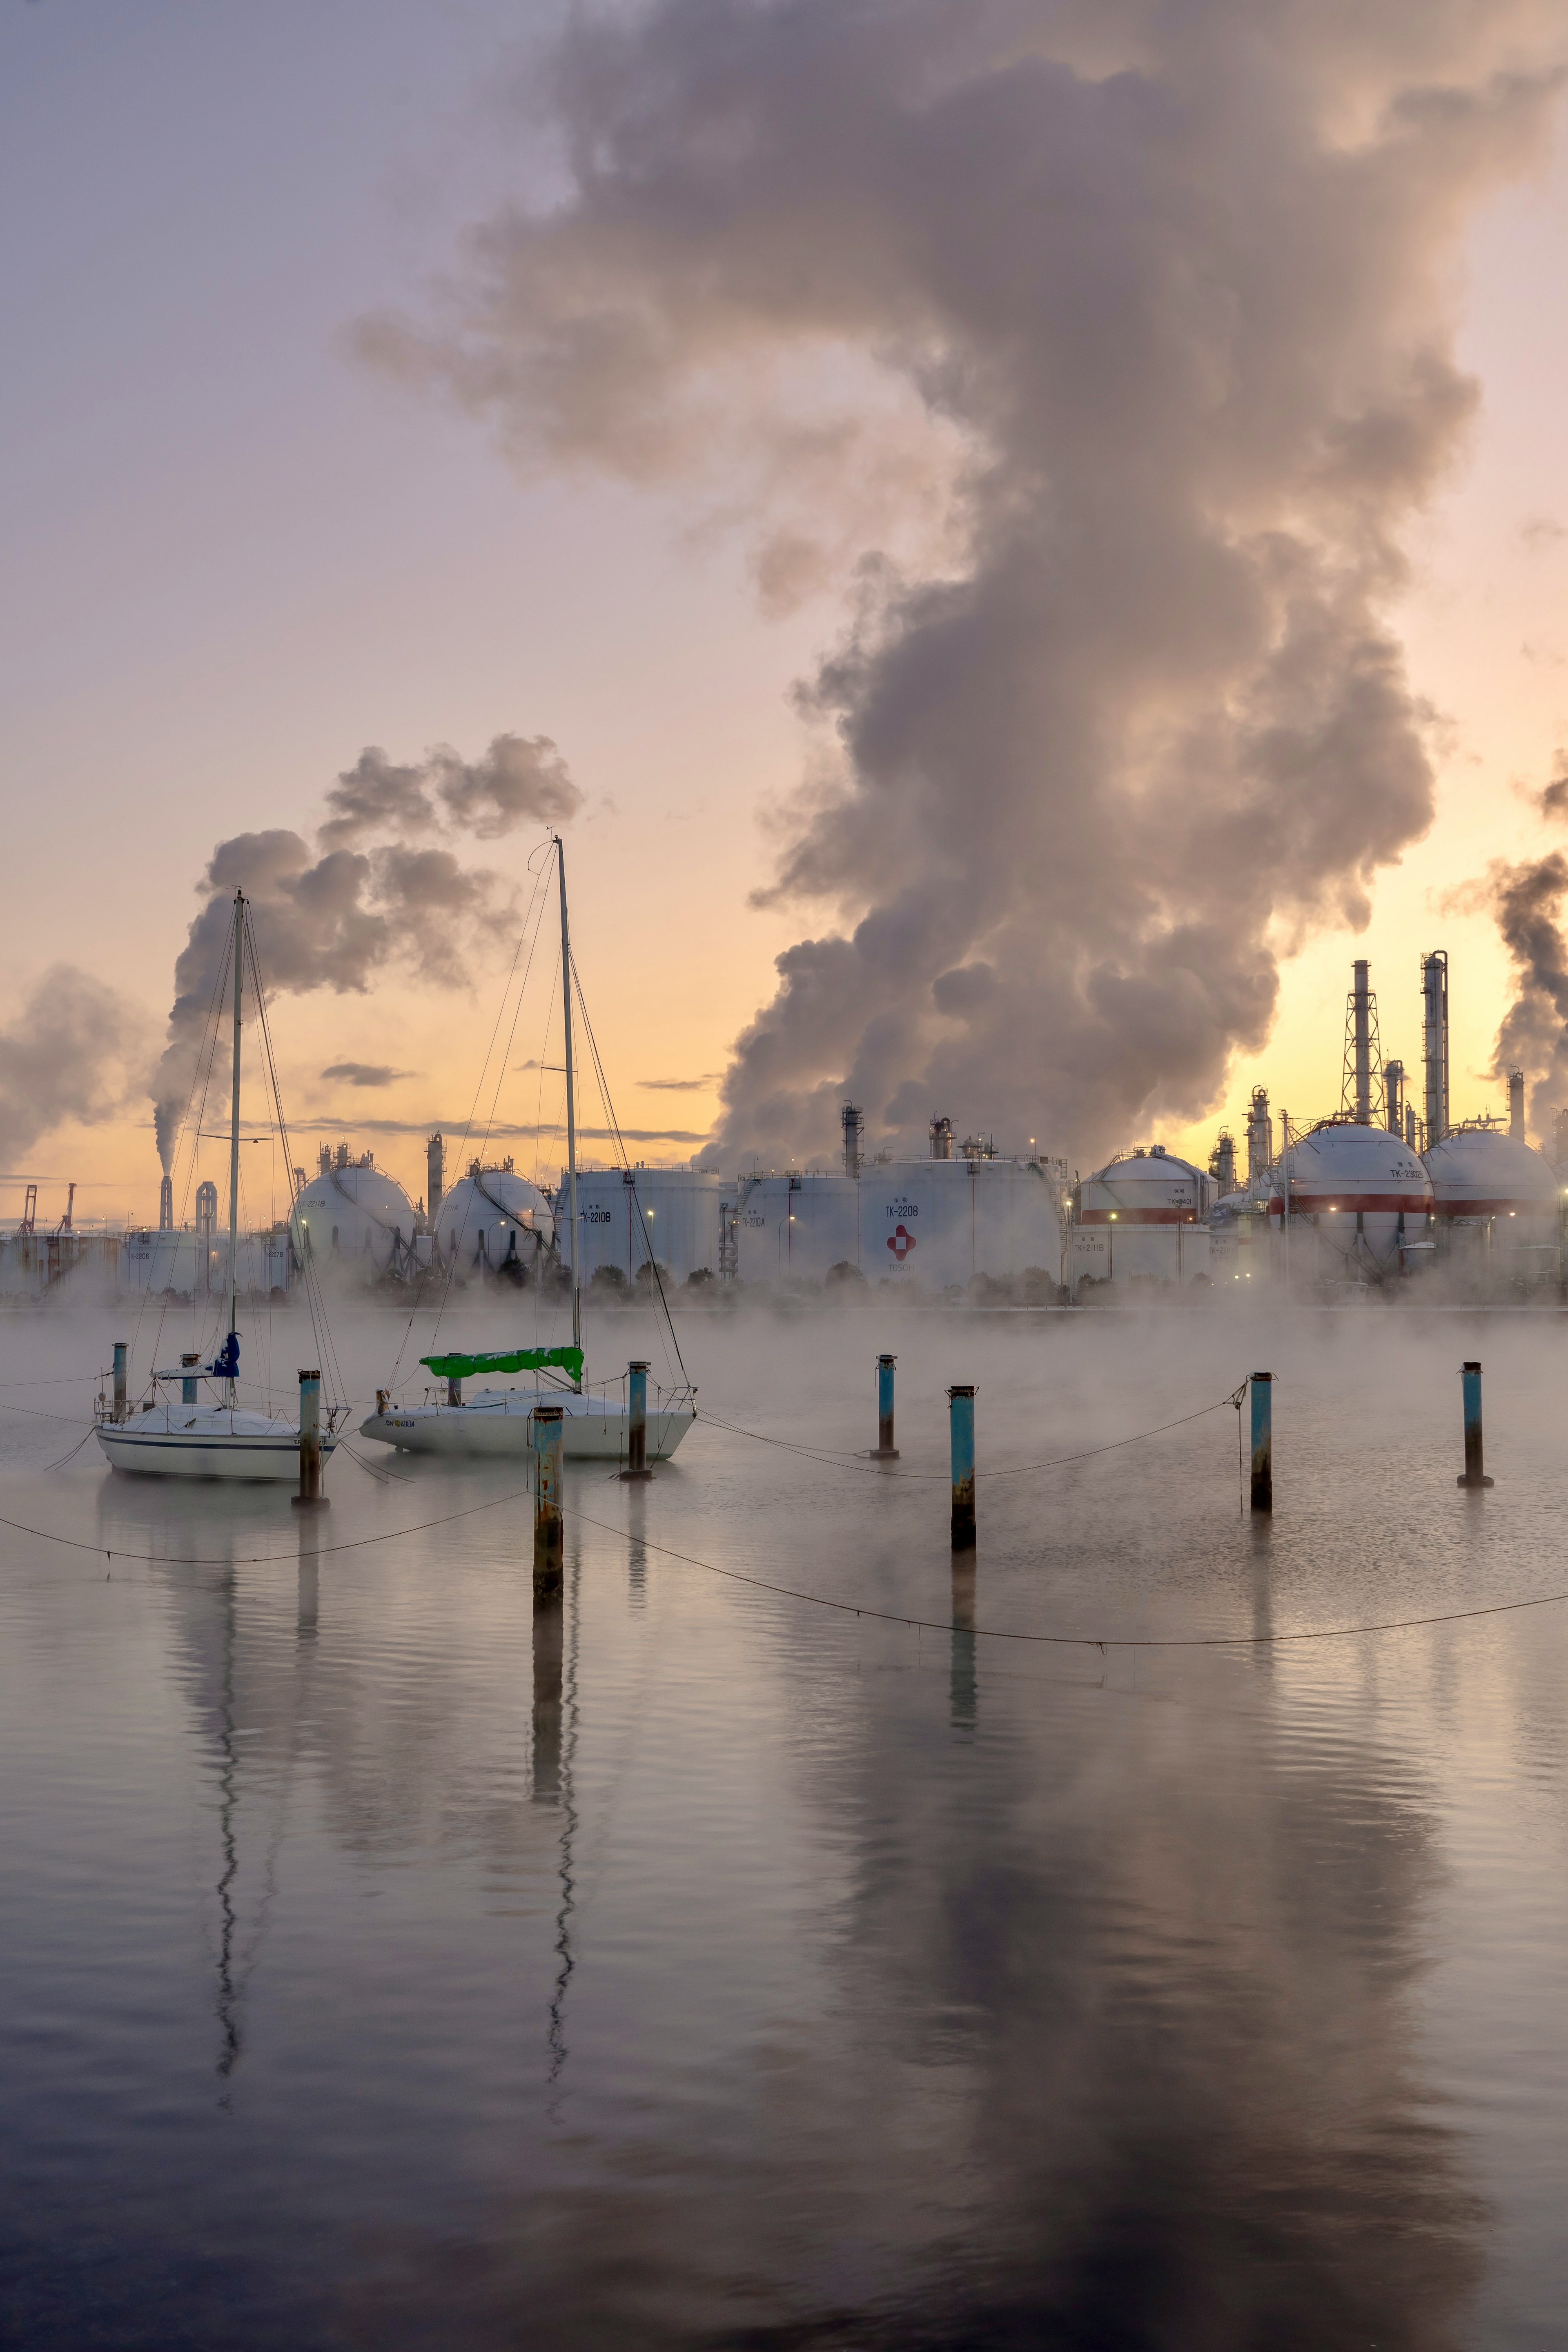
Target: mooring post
[886,1450]
[1262,1441]
[188,1384]
[549,1542]
[120,1353]
[960,1424]
[309,1438]
[1475,1466]
[636,1434]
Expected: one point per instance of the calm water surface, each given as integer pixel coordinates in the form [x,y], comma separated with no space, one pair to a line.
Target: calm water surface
[384,1968]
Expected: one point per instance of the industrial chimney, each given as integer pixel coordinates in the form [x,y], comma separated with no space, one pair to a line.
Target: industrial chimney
[1435,1042]
[941,1138]
[854,1120]
[166,1205]
[434,1175]
[1393,1096]
[1516,1105]
[1359,1015]
[1259,1135]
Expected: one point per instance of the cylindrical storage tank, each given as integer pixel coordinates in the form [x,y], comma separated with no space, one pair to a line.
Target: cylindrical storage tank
[492,1217]
[1153,1211]
[356,1219]
[796,1228]
[1499,1204]
[935,1225]
[631,1218]
[1363,1191]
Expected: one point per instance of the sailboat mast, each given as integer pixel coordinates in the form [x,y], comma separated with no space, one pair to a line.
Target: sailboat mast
[570,1110]
[234,1127]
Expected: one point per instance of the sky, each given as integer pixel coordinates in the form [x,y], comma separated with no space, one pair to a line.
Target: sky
[240,547]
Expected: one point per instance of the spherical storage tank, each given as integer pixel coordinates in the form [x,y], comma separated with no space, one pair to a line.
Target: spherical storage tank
[492,1215]
[1147,1187]
[1363,1190]
[1483,1178]
[355,1217]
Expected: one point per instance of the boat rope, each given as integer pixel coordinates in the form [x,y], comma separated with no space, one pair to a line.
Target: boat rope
[1006,1470]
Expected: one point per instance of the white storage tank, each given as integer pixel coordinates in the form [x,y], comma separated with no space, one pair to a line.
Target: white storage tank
[1364,1192]
[1495,1197]
[193,1265]
[794,1228]
[630,1217]
[1143,1217]
[934,1223]
[492,1217]
[352,1216]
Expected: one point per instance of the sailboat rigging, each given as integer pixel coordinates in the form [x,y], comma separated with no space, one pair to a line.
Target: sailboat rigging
[497,1420]
[184,1437]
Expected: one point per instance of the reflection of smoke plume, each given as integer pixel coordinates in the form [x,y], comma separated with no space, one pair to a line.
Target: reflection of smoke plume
[1173,283]
[369,896]
[62,1058]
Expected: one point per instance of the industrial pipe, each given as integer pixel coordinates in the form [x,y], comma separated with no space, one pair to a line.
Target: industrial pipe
[960,1424]
[120,1350]
[1262,1387]
[310,1494]
[636,1434]
[549,1538]
[1475,1468]
[886,1450]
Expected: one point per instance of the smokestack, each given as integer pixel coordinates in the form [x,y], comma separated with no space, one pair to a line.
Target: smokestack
[1410,1125]
[941,1138]
[1435,1042]
[1259,1135]
[1393,1096]
[166,1204]
[1516,1105]
[1363,1046]
[435,1174]
[1221,1163]
[854,1137]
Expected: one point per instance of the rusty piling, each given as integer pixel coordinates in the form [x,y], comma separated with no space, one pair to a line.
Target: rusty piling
[310,1494]
[636,1433]
[549,1536]
[961,1426]
[886,1449]
[1262,1387]
[1474,1473]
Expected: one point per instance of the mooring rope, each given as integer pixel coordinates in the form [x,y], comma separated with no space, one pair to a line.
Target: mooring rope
[1007,1469]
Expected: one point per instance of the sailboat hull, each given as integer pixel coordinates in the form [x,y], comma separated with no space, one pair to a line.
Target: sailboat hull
[590,1432]
[206,1444]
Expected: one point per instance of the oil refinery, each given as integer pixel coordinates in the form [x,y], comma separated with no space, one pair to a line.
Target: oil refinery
[1378,1197]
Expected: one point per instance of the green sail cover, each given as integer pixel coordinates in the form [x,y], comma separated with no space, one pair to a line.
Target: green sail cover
[514,1359]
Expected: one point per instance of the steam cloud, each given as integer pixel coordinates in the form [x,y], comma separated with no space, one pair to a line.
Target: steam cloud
[1172,288]
[63,1058]
[1527,901]
[369,894]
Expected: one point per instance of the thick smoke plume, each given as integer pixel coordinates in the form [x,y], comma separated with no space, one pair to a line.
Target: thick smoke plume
[1527,901]
[65,1057]
[380,886]
[1172,283]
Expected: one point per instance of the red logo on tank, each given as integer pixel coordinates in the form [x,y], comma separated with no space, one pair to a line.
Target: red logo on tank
[900,1240]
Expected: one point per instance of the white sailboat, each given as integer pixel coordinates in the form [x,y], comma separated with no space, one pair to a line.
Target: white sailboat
[186,1436]
[598,1420]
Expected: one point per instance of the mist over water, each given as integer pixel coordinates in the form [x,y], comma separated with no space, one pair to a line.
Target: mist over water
[707,1967]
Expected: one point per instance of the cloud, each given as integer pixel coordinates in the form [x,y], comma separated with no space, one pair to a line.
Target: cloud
[366,1074]
[382,885]
[1157,305]
[681,1085]
[1541,532]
